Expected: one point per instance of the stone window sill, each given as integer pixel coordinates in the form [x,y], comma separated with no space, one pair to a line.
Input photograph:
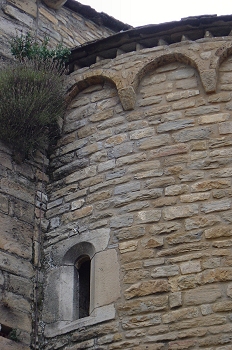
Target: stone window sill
[100,314]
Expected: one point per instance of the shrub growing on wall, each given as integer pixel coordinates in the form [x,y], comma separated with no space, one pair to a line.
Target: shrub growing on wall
[31,96]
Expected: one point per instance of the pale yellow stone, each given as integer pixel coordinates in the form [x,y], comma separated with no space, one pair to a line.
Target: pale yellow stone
[213,118]
[129,246]
[48,15]
[28,6]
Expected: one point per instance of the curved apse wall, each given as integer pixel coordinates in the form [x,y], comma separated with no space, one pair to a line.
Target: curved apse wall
[150,189]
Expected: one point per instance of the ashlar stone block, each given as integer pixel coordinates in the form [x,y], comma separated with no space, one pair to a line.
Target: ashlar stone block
[106,277]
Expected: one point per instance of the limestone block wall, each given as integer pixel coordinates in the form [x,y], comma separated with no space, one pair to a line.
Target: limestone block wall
[22,220]
[62,25]
[143,171]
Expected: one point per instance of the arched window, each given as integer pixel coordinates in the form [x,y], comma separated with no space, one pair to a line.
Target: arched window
[83,266]
[82,285]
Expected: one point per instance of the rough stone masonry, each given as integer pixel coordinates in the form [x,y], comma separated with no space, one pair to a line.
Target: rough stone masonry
[140,182]
[146,156]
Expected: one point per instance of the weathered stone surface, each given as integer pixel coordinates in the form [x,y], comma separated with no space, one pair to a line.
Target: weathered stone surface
[169,150]
[140,134]
[184,237]
[127,97]
[20,285]
[225,128]
[194,197]
[192,134]
[224,204]
[17,190]
[138,196]
[202,110]
[175,125]
[149,216]
[164,227]
[139,306]
[210,184]
[125,188]
[175,299]
[176,190]
[145,321]
[180,211]
[26,6]
[201,221]
[12,345]
[182,94]
[15,319]
[122,221]
[190,267]
[213,118]
[153,142]
[78,213]
[152,242]
[16,237]
[18,15]
[128,246]
[107,272]
[147,288]
[200,295]
[150,189]
[221,231]
[165,271]
[130,232]
[179,315]
[11,264]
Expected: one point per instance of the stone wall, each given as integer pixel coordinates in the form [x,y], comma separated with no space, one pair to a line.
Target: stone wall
[140,182]
[63,25]
[23,185]
[144,165]
[22,220]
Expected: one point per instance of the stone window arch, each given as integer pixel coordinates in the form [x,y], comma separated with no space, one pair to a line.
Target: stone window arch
[66,289]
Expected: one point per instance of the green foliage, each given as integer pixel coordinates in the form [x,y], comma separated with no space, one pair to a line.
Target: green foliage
[32,99]
[26,47]
[31,94]
[13,335]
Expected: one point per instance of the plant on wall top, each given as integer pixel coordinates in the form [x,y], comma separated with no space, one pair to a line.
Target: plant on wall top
[31,94]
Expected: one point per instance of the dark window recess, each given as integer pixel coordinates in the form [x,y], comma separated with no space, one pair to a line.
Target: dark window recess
[83,267]
[5,331]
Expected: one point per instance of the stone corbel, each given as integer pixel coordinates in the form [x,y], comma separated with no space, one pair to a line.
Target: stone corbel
[55,4]
[209,80]
[128,97]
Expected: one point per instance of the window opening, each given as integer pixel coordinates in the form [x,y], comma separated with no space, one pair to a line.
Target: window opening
[83,266]
[5,331]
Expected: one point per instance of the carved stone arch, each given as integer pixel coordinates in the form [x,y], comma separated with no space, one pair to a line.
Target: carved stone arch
[76,251]
[208,76]
[77,83]
[161,60]
[221,54]
[55,4]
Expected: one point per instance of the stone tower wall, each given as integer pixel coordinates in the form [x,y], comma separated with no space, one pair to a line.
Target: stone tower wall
[143,171]
[22,219]
[61,26]
[140,182]
[23,186]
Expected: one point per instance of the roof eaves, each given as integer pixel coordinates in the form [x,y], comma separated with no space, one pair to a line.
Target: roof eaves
[148,36]
[101,19]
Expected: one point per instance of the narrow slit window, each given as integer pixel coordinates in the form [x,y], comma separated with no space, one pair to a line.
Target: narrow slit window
[83,266]
[5,331]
